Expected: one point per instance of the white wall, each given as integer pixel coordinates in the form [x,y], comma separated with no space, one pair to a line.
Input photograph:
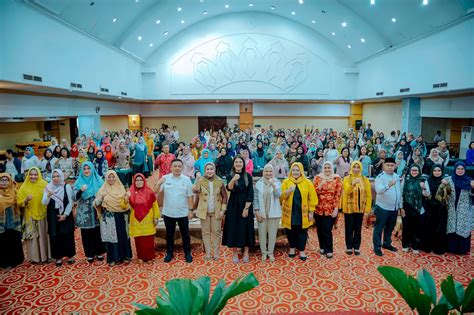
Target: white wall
[446,56]
[337,123]
[384,117]
[113,123]
[12,133]
[36,44]
[455,107]
[305,110]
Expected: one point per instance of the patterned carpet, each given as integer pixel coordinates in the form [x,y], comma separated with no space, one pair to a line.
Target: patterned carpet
[345,284]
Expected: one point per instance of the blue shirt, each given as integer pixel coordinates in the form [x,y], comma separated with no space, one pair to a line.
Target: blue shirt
[388,198]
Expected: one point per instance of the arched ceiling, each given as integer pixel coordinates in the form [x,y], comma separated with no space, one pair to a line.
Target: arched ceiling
[360,28]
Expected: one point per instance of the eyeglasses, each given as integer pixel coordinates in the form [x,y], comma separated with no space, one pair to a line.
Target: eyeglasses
[4,180]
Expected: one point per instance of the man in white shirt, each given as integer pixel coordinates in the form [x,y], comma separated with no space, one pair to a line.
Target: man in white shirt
[177,208]
[175,132]
[387,205]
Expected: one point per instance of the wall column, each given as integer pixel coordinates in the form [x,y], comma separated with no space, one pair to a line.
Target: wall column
[88,124]
[411,119]
[246,116]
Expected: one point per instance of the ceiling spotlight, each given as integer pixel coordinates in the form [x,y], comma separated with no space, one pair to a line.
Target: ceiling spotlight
[372,2]
[362,40]
[250,4]
[293,12]
[313,21]
[179,9]
[272,7]
[344,24]
[352,101]
[114,20]
[158,22]
[394,20]
[333,34]
[217,101]
[70,90]
[425,2]
[226,6]
[151,45]
[139,38]
[204,12]
[165,33]
[201,1]
[182,21]
[301,1]
[349,46]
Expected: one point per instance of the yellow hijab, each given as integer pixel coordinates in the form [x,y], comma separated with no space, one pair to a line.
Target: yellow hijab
[300,179]
[113,194]
[8,195]
[359,194]
[35,206]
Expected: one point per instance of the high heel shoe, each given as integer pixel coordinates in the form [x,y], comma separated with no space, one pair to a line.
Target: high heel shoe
[246,259]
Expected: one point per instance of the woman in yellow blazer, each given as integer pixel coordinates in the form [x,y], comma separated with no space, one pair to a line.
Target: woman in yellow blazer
[143,218]
[356,200]
[298,201]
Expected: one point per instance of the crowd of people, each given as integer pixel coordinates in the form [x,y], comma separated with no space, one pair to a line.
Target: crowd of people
[229,179]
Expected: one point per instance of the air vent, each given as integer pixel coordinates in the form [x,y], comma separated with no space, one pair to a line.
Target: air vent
[30,77]
[104,90]
[37,79]
[76,85]
[379,93]
[440,85]
[404,90]
[17,118]
[123,93]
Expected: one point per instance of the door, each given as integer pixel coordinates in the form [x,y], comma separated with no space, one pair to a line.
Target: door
[211,123]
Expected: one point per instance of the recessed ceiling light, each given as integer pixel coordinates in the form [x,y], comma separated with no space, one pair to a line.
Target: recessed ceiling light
[136,1]
[272,7]
[301,1]
[362,40]
[217,101]
[120,97]
[372,2]
[250,4]
[333,34]
[165,33]
[293,12]
[204,12]
[179,9]
[182,21]
[139,38]
[344,24]
[201,1]
[151,45]
[158,22]
[394,20]
[114,20]
[226,6]
[425,2]
[352,101]
[70,90]
[349,46]
[313,21]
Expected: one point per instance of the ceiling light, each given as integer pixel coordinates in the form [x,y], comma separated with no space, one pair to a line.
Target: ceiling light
[425,2]
[165,33]
[394,20]
[120,97]
[226,6]
[139,38]
[114,20]
[301,1]
[204,12]
[250,4]
[136,1]
[344,24]
[349,46]
[151,45]
[179,9]
[182,21]
[362,40]
[372,2]
[293,12]
[272,7]
[333,34]
[70,90]
[201,1]
[158,22]
[313,21]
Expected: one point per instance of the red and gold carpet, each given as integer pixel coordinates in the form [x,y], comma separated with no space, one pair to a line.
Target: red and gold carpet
[344,284]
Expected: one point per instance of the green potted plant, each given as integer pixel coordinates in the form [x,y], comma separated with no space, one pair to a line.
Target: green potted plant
[191,297]
[420,292]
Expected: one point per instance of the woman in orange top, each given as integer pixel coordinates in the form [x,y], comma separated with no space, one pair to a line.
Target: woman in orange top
[329,188]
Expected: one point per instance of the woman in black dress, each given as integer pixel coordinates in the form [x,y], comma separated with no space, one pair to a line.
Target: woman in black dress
[58,198]
[223,163]
[239,226]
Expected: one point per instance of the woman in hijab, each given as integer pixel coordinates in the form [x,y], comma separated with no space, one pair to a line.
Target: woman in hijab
[85,189]
[223,164]
[143,217]
[100,163]
[47,164]
[302,158]
[140,160]
[329,189]
[434,231]
[249,167]
[211,208]
[91,152]
[112,204]
[280,165]
[460,211]
[230,150]
[414,189]
[202,161]
[65,163]
[401,164]
[57,151]
[197,150]
[122,156]
[356,200]
[432,159]
[35,230]
[316,163]
[109,156]
[259,158]
[188,162]
[271,151]
[29,160]
[238,230]
[267,210]
[11,249]
[57,197]
[298,202]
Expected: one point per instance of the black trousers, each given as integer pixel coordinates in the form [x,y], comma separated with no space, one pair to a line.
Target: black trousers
[324,224]
[62,245]
[385,222]
[412,231]
[92,242]
[353,228]
[170,224]
[297,237]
